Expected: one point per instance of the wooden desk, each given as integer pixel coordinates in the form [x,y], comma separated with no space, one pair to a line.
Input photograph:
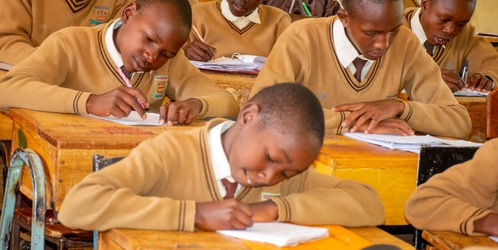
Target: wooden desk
[66,144]
[147,239]
[392,173]
[239,85]
[455,241]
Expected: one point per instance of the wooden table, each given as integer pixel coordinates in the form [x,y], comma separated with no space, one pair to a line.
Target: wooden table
[455,241]
[66,144]
[148,239]
[239,85]
[392,173]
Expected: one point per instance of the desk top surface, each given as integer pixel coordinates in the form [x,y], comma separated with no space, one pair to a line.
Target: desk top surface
[149,239]
[454,241]
[76,131]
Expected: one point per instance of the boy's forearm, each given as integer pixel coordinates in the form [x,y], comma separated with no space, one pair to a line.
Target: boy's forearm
[487,225]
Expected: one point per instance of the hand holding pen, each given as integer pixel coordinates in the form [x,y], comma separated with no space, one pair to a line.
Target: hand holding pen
[118,102]
[452,79]
[479,82]
[198,50]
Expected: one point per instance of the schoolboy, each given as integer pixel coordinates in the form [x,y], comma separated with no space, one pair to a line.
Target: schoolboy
[443,28]
[323,54]
[85,70]
[222,28]
[25,24]
[462,199]
[175,181]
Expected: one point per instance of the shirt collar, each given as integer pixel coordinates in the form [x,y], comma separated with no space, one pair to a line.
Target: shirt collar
[343,44]
[109,42]
[219,160]
[241,21]
[417,27]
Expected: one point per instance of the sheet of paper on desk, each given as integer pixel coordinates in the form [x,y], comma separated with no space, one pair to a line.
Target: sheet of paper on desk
[279,234]
[133,119]
[237,63]
[495,238]
[469,92]
[408,143]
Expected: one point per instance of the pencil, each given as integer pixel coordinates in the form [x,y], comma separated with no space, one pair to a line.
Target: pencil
[197,34]
[128,83]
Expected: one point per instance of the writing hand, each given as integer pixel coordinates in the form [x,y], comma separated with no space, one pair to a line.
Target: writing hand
[453,80]
[479,82]
[266,211]
[199,51]
[225,214]
[390,126]
[118,102]
[369,112]
[181,112]
[487,225]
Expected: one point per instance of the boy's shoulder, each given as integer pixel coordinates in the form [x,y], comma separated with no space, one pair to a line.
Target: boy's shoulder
[206,6]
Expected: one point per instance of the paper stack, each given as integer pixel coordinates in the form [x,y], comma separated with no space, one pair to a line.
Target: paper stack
[237,63]
[279,234]
[408,143]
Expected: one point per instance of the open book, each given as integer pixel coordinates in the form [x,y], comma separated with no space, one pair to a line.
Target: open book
[279,234]
[236,63]
[408,143]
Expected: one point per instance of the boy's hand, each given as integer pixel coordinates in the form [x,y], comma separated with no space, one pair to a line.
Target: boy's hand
[118,102]
[264,211]
[390,126]
[199,51]
[453,80]
[371,113]
[479,82]
[225,214]
[487,225]
[181,112]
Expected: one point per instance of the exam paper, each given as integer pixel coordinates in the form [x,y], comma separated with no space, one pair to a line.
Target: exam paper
[470,92]
[133,119]
[408,143]
[494,238]
[279,234]
[237,63]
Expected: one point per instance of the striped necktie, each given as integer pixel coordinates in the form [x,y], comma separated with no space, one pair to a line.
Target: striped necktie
[429,47]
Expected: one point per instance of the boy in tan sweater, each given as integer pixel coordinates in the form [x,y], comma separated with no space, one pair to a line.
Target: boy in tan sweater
[226,175]
[443,28]
[131,63]
[222,28]
[25,24]
[462,199]
[357,63]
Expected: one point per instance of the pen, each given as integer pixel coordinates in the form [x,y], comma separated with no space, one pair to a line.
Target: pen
[127,81]
[306,9]
[197,34]
[465,71]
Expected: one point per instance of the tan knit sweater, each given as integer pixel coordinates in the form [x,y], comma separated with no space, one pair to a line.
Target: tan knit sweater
[454,199]
[73,63]
[158,184]
[305,53]
[479,53]
[254,39]
[26,23]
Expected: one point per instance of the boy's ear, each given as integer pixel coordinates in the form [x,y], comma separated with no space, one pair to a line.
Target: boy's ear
[249,112]
[424,4]
[128,11]
[344,17]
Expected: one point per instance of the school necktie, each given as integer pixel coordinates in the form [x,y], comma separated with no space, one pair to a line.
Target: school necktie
[127,74]
[230,188]
[429,47]
[358,64]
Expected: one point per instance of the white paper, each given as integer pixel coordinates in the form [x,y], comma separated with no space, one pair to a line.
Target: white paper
[236,63]
[6,66]
[495,238]
[408,143]
[279,234]
[470,92]
[133,119]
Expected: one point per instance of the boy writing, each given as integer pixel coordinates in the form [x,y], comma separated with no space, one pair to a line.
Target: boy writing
[226,175]
[222,28]
[131,63]
[356,66]
[27,23]
[462,199]
[443,28]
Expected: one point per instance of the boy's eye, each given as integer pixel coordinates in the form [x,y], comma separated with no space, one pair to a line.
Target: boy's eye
[371,34]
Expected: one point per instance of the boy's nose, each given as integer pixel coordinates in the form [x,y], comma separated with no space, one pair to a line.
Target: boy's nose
[449,29]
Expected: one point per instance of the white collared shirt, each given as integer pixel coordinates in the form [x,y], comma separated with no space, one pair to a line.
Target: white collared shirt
[111,47]
[219,161]
[239,21]
[347,51]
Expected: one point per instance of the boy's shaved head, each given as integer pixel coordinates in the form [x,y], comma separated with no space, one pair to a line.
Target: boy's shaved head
[290,108]
[354,7]
[182,6]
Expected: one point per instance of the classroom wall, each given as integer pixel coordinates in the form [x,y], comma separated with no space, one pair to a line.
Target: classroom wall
[484,17]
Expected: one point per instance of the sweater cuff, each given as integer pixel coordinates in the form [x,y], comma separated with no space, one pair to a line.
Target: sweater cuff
[284,210]
[467,226]
[77,104]
[190,211]
[407,112]
[204,108]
